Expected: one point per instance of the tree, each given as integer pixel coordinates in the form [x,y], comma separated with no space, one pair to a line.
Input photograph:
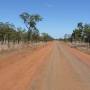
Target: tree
[87,33]
[77,34]
[6,31]
[81,33]
[80,25]
[45,37]
[35,35]
[9,33]
[30,22]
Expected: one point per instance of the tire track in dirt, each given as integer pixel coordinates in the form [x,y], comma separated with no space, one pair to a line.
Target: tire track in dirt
[63,72]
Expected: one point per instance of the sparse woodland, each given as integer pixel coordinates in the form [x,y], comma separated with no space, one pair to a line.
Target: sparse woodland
[12,36]
[80,35]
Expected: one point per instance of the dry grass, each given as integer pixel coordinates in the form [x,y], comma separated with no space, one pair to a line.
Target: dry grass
[83,47]
[4,49]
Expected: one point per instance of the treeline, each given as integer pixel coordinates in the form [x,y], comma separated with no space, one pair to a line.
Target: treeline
[80,34]
[10,33]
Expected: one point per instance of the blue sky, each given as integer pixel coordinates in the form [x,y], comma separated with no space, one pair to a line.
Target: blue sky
[60,16]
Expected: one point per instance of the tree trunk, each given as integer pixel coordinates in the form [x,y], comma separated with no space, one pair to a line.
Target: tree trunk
[8,41]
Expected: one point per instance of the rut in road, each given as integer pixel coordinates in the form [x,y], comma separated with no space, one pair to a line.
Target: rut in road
[64,71]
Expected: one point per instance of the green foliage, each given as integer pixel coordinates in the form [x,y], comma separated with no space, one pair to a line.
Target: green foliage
[30,22]
[81,33]
[10,33]
[46,37]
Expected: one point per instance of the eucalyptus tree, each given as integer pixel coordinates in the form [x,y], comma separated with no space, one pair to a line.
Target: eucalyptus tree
[80,25]
[77,34]
[30,22]
[82,32]
[35,35]
[46,37]
[5,32]
[20,34]
[87,33]
[2,33]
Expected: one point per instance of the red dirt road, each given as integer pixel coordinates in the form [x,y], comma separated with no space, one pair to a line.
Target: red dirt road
[18,70]
[55,66]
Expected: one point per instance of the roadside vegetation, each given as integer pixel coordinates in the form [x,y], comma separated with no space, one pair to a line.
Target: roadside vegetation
[80,37]
[80,34]
[10,35]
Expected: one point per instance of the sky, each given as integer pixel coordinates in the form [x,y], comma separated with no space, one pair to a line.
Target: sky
[59,16]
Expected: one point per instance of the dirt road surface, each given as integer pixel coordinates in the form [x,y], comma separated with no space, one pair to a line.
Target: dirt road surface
[55,66]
